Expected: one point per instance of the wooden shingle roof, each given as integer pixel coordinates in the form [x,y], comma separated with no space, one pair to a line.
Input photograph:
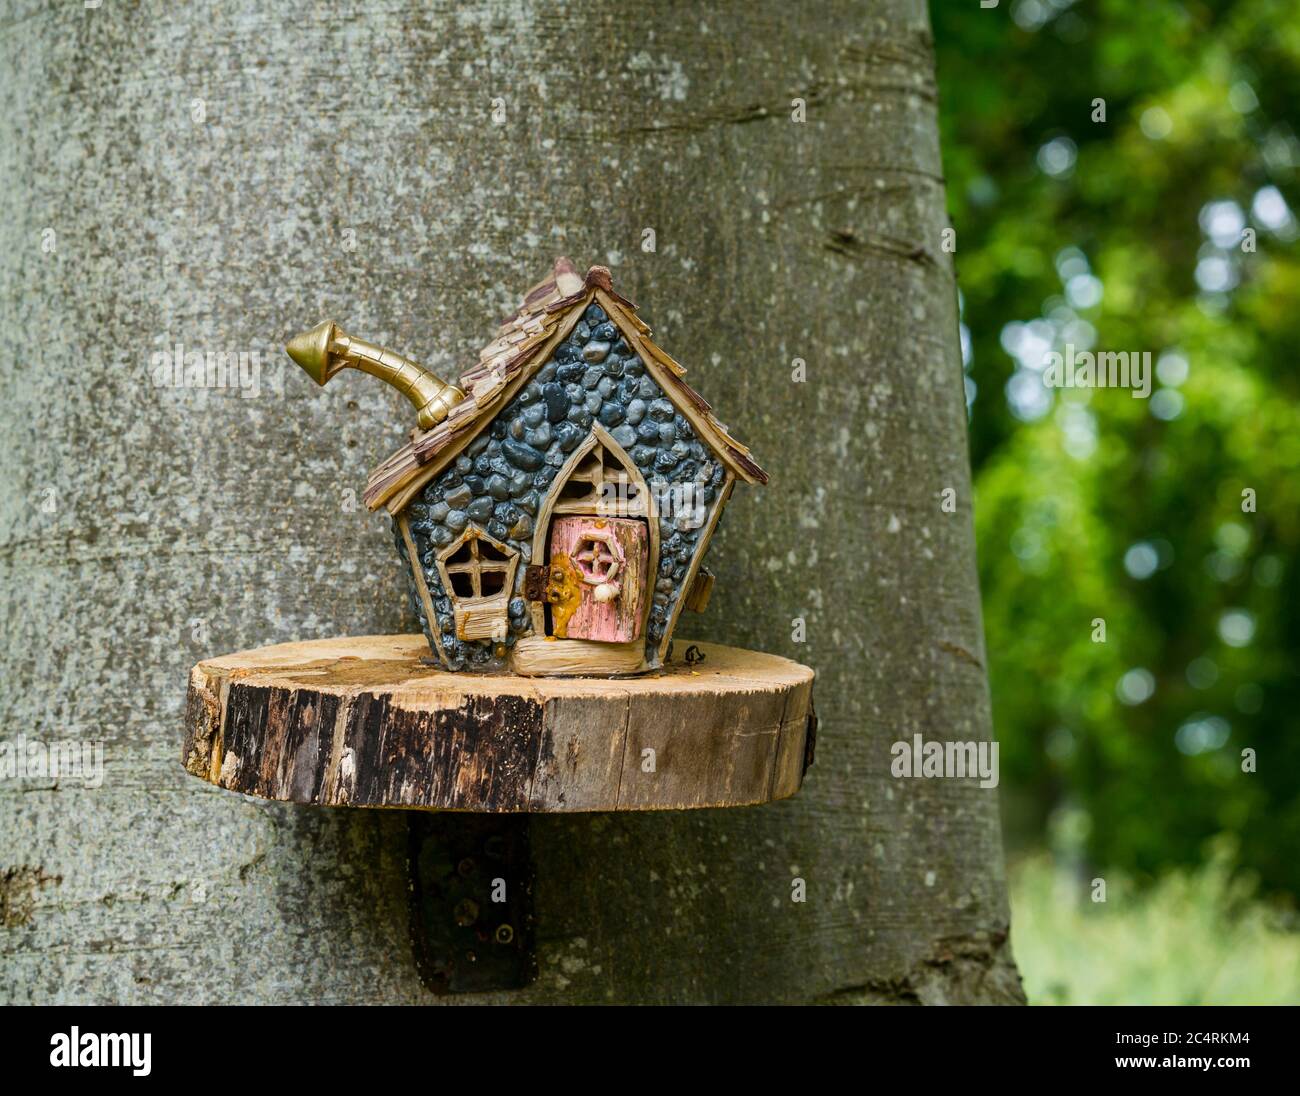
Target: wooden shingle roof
[522,345]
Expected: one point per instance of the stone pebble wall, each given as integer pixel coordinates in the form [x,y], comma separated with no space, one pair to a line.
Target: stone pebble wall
[504,474]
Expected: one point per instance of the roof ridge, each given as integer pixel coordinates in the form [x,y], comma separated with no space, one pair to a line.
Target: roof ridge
[547,313]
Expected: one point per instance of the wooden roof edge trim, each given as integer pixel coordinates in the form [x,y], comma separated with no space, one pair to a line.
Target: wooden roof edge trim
[536,308]
[751,473]
[697,560]
[503,363]
[702,420]
[394,480]
[565,303]
[597,277]
[689,393]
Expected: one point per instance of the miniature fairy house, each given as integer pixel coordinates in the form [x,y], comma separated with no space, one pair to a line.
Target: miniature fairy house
[554,507]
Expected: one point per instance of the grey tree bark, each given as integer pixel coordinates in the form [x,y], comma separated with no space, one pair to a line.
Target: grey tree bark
[222,177]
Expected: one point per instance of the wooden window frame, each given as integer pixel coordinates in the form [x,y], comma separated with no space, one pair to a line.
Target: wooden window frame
[587,561]
[595,467]
[479,615]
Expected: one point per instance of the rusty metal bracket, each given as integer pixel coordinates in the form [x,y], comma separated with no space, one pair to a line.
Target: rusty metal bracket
[471,911]
[810,738]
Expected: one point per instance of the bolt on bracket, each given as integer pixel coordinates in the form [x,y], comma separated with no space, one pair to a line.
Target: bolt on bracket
[471,909]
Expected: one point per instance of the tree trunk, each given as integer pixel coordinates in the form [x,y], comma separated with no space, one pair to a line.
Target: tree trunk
[221,179]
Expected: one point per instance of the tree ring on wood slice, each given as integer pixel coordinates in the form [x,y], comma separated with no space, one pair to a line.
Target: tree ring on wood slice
[367,722]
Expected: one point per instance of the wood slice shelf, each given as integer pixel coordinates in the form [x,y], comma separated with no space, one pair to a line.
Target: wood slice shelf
[370,722]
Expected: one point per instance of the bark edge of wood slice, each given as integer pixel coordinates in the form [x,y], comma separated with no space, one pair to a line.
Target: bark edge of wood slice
[369,722]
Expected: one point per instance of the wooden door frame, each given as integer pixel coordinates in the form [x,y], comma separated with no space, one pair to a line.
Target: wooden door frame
[542,529]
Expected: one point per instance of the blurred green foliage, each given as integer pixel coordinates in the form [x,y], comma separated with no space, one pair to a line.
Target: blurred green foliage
[1196,937]
[1168,227]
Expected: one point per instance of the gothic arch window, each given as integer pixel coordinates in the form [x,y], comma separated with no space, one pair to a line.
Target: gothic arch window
[603,481]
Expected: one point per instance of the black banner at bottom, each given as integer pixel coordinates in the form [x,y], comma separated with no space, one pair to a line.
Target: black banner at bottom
[338,1045]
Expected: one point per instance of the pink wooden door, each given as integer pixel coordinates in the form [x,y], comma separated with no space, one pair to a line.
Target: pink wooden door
[609,558]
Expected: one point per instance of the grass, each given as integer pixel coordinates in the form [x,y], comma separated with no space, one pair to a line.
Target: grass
[1189,938]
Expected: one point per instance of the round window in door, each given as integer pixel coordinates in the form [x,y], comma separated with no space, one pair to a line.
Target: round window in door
[598,556]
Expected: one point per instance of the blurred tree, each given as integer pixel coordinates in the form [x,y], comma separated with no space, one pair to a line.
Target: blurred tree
[1122,177]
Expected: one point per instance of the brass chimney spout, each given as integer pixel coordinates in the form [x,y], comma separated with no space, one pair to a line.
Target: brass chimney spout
[327,349]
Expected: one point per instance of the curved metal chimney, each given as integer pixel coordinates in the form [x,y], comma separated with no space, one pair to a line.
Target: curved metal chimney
[327,349]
